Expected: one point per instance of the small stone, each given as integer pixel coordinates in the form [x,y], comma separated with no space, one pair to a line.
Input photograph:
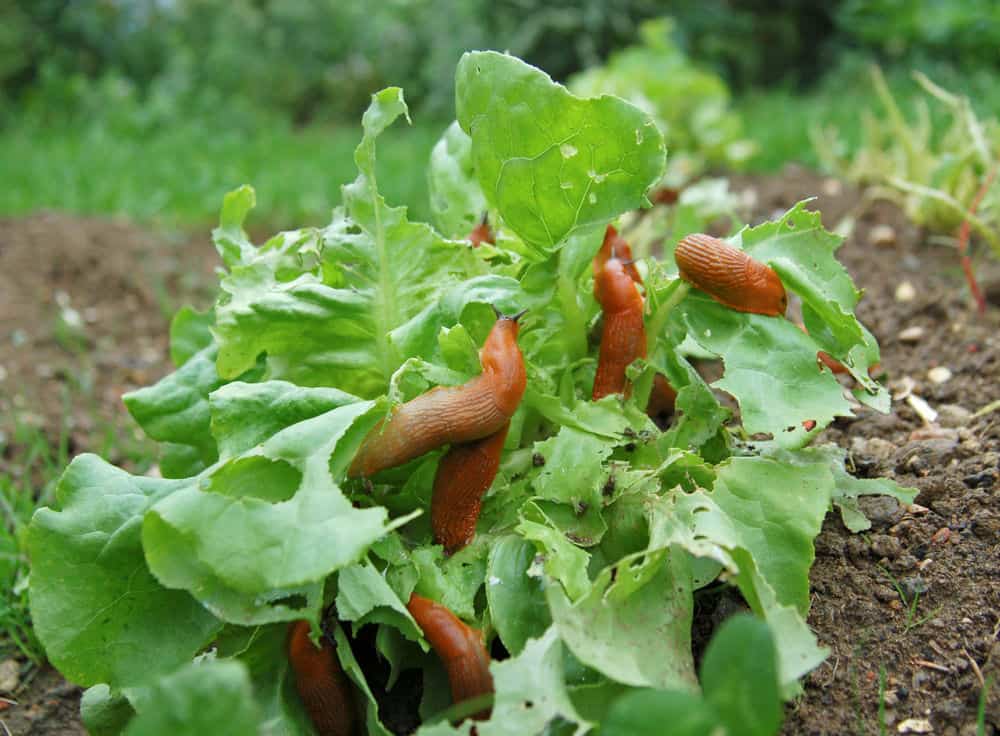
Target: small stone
[878,448]
[905,292]
[911,334]
[939,374]
[882,236]
[885,594]
[941,536]
[934,432]
[881,510]
[915,725]
[982,479]
[953,415]
[10,676]
[924,410]
[832,187]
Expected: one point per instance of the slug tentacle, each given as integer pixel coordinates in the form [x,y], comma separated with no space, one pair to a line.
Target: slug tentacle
[459,646]
[323,687]
[730,276]
[464,474]
[451,414]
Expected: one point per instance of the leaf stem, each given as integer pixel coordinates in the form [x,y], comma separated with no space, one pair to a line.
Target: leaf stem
[963,241]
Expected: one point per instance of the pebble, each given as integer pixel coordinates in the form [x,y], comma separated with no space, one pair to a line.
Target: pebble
[915,725]
[919,454]
[911,334]
[876,447]
[939,374]
[982,479]
[941,536]
[881,510]
[905,292]
[10,676]
[885,594]
[953,415]
[882,236]
[934,432]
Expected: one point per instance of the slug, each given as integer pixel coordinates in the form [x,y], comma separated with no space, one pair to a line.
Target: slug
[459,646]
[482,233]
[451,414]
[623,335]
[464,474]
[730,276]
[614,246]
[323,687]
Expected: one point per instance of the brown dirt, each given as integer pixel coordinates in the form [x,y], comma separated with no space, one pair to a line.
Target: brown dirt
[947,546]
[121,283]
[950,548]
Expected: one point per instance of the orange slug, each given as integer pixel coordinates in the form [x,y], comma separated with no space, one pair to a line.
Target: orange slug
[459,646]
[623,335]
[614,246]
[451,414]
[730,276]
[464,474]
[323,687]
[482,233]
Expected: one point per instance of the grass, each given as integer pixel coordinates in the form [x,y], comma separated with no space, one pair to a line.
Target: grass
[175,176]
[780,120]
[911,621]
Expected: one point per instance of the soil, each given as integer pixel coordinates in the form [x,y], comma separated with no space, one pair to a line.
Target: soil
[920,658]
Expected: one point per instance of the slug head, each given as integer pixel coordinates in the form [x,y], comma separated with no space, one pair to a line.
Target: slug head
[502,361]
[616,291]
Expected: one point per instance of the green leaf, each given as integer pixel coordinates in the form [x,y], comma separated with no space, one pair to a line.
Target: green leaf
[802,252]
[551,162]
[256,536]
[516,599]
[208,697]
[562,560]
[635,624]
[457,202]
[175,409]
[530,695]
[775,395]
[848,488]
[190,333]
[324,304]
[246,414]
[104,713]
[740,677]
[230,239]
[647,712]
[452,582]
[364,596]
[101,615]
[572,471]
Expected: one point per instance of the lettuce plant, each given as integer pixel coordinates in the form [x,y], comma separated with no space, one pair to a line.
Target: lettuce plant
[170,597]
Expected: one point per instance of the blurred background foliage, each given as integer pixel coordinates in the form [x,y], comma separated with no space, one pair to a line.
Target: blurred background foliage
[153,108]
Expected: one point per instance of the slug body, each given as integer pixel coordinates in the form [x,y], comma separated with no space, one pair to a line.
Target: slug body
[463,476]
[451,414]
[459,646]
[323,687]
[614,246]
[623,336]
[730,276]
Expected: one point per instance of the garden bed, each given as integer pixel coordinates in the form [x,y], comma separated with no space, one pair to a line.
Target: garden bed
[919,660]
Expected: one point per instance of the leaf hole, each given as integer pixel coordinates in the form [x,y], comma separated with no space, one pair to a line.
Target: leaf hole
[255,477]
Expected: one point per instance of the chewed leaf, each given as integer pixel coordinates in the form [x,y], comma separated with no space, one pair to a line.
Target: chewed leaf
[88,558]
[802,252]
[549,161]
[256,537]
[770,370]
[643,638]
